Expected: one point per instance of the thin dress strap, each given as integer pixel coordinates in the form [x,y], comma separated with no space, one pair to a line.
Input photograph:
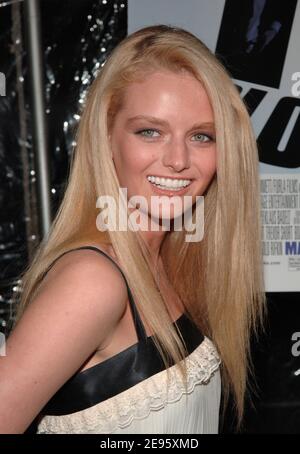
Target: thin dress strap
[140,329]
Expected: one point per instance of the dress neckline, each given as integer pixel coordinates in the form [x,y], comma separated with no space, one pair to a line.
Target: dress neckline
[91,369]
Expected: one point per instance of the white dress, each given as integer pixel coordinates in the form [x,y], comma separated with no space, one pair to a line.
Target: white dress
[130,393]
[147,408]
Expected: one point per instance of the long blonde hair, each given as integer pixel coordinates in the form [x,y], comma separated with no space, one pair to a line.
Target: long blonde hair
[219,279]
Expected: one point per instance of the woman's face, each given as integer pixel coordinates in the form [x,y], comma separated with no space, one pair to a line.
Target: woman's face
[165,129]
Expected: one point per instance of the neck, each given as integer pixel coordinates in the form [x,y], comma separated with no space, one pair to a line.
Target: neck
[153,242]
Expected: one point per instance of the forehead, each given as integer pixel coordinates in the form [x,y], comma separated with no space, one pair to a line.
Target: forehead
[166,92]
[163,80]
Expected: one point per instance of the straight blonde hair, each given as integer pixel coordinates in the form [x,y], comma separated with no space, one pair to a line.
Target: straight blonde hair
[220,279]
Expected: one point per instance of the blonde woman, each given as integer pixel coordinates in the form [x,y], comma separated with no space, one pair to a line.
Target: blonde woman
[142,331]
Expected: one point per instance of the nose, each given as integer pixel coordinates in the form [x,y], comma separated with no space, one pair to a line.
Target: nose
[176,155]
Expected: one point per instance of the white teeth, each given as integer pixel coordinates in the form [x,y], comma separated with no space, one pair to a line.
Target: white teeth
[168,183]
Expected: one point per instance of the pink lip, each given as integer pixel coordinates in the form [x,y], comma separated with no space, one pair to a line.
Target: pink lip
[169,193]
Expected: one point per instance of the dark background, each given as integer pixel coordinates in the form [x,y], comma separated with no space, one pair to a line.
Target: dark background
[77,36]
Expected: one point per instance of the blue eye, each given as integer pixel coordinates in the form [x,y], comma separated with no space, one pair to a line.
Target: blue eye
[204,137]
[149,134]
[142,131]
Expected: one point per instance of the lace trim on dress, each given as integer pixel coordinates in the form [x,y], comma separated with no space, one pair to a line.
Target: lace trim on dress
[137,402]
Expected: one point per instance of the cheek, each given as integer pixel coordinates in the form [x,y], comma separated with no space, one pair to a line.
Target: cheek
[132,155]
[207,164]
[130,163]
[122,155]
[213,164]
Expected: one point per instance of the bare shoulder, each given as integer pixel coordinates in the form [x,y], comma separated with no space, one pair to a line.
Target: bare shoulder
[88,272]
[86,282]
[78,305]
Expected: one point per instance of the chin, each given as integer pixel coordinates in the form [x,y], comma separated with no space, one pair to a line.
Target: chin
[165,215]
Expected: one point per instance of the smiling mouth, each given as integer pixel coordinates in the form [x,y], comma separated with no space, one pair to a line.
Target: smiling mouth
[169,184]
[162,187]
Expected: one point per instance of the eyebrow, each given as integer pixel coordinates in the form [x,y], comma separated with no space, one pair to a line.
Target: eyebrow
[159,121]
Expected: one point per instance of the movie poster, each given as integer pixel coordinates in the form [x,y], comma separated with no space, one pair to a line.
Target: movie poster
[258,42]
